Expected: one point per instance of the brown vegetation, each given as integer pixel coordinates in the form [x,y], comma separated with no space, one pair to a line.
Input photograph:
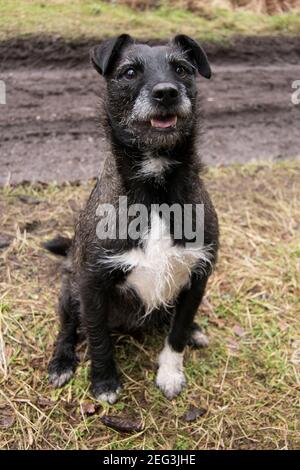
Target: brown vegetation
[258,6]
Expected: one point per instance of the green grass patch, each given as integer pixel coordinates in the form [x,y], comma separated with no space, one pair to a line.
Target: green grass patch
[73,19]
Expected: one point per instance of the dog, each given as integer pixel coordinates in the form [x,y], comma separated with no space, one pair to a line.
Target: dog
[153,279]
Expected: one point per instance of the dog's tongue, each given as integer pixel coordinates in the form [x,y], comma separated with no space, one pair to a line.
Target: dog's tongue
[164,123]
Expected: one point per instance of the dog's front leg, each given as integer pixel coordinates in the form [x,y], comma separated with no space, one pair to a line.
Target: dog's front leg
[170,376]
[104,375]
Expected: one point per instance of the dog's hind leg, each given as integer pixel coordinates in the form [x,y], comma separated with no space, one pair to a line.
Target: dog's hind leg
[64,361]
[197,338]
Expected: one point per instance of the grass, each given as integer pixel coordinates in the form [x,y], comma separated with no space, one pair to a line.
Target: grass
[72,19]
[247,379]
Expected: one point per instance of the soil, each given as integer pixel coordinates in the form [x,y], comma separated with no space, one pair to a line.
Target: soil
[49,127]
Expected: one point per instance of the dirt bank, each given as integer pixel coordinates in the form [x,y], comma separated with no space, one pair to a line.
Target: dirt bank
[55,51]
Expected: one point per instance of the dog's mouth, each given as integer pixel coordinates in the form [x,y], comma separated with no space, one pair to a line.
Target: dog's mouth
[164,122]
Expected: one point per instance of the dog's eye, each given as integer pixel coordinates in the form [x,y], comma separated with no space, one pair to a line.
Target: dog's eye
[130,74]
[181,71]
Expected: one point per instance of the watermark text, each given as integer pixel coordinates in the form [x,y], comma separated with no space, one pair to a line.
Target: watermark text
[2,92]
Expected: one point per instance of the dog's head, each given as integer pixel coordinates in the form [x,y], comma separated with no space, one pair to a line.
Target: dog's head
[151,90]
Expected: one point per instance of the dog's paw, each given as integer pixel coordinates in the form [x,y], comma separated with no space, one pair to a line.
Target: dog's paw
[170,376]
[61,369]
[198,339]
[106,391]
[170,381]
[59,379]
[108,397]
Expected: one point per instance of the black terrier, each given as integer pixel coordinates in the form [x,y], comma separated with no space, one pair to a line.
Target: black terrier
[147,240]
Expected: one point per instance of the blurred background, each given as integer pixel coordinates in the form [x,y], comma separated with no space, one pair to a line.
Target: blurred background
[48,125]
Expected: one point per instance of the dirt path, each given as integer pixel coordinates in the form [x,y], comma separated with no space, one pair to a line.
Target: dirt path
[49,132]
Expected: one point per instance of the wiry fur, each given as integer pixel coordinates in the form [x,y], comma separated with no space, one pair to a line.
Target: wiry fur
[122,283]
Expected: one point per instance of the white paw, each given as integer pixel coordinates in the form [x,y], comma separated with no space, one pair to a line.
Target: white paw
[170,377]
[108,397]
[199,339]
[58,380]
[170,381]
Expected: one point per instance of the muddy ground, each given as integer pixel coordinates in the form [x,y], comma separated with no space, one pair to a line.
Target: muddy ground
[49,128]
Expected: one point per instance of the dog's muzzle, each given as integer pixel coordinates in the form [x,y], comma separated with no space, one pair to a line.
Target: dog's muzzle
[163,108]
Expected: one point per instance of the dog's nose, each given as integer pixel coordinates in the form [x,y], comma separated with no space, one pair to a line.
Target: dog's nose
[165,93]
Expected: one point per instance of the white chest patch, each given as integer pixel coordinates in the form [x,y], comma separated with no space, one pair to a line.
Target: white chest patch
[160,269]
[154,167]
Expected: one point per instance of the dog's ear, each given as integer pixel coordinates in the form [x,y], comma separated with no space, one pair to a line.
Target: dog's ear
[195,53]
[104,55]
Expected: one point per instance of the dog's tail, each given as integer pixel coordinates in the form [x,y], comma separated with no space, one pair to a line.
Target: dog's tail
[58,245]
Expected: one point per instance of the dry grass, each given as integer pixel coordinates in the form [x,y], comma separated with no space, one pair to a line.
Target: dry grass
[269,7]
[248,378]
